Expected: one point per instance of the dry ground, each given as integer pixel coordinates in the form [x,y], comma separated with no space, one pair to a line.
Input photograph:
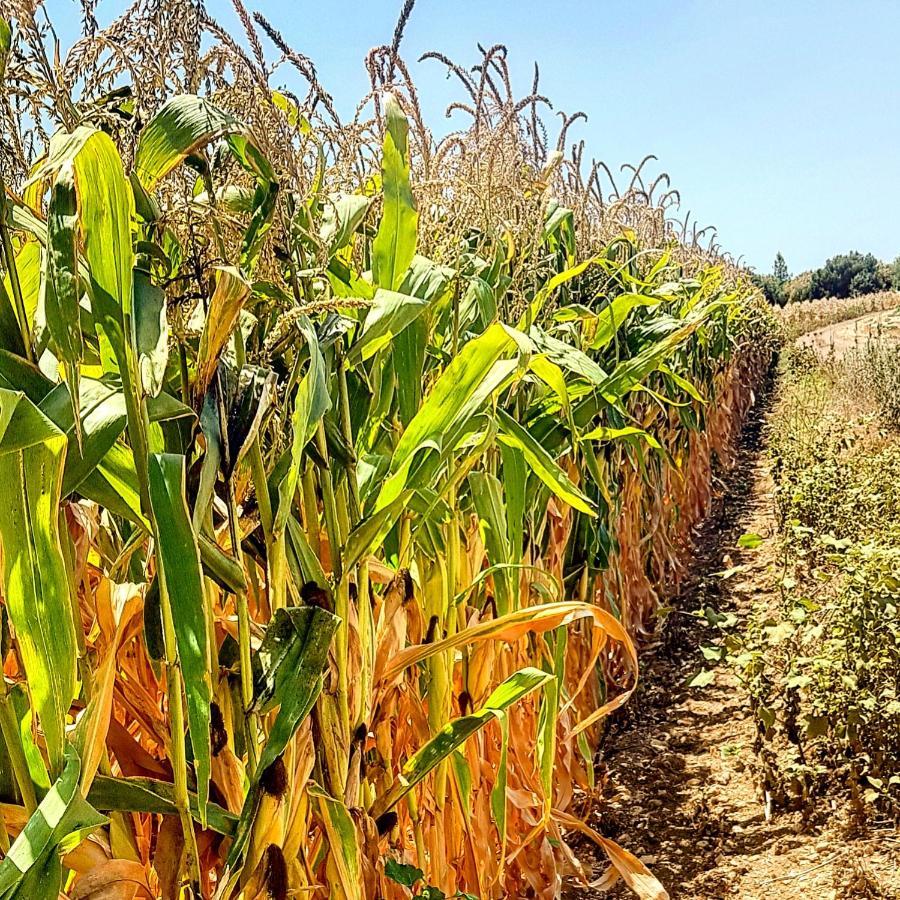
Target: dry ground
[682,788]
[837,339]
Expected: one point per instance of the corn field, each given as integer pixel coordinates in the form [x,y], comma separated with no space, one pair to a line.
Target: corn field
[343,468]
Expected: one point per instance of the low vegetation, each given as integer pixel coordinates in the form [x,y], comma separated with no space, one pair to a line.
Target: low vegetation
[821,664]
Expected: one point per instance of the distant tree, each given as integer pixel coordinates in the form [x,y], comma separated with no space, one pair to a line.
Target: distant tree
[895,274]
[798,288]
[846,275]
[772,289]
[866,281]
[780,269]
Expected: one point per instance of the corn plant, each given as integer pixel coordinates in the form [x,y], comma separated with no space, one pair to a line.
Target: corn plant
[329,520]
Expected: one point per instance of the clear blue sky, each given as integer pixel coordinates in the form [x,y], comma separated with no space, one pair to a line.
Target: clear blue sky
[779,122]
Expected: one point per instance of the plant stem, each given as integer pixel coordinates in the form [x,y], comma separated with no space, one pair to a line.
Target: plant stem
[243,635]
[177,727]
[342,590]
[240,596]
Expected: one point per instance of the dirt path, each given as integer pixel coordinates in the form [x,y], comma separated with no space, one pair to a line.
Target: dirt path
[682,789]
[838,338]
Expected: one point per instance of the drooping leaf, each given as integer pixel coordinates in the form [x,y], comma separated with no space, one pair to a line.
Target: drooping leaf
[248,394]
[229,295]
[388,316]
[149,795]
[542,464]
[545,292]
[611,318]
[182,126]
[602,433]
[342,214]
[293,655]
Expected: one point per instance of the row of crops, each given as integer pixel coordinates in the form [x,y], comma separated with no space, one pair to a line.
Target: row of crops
[342,468]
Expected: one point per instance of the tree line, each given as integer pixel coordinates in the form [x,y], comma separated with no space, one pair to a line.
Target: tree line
[845,275]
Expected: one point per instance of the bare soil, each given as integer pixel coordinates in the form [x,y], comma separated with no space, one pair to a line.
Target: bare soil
[682,780]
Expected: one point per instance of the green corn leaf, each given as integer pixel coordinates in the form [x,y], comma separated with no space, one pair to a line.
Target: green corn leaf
[106,210]
[429,282]
[32,870]
[179,565]
[102,409]
[542,464]
[305,565]
[395,242]
[37,768]
[149,795]
[223,569]
[536,306]
[248,395]
[631,372]
[372,531]
[408,353]
[310,404]
[611,318]
[30,267]
[62,292]
[388,316]
[17,374]
[567,357]
[515,474]
[34,580]
[446,404]
[114,484]
[10,334]
[687,386]
[293,655]
[457,732]
[549,715]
